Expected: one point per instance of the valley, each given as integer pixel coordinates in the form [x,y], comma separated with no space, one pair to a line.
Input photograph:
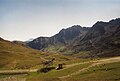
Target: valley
[74,54]
[71,71]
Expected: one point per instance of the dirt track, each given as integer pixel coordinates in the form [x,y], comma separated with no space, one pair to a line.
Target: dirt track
[103,61]
[98,62]
[94,63]
[18,71]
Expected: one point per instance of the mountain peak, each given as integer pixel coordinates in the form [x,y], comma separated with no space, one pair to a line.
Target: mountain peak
[61,38]
[115,21]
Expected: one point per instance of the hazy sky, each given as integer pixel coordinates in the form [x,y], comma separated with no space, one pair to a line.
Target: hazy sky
[24,19]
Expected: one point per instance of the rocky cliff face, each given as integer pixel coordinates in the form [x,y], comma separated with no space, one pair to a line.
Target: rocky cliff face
[101,36]
[62,38]
[39,43]
[102,39]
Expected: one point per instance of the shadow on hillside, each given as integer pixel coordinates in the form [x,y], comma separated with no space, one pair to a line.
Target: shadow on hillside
[46,69]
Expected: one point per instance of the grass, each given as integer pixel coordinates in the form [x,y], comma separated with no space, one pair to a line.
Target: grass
[56,48]
[16,56]
[13,56]
[107,72]
[54,74]
[3,76]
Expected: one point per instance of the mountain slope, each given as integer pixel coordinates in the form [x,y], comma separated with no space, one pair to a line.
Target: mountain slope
[103,39]
[62,38]
[18,56]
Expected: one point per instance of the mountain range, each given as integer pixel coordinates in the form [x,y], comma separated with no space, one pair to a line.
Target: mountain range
[64,37]
[102,39]
[75,48]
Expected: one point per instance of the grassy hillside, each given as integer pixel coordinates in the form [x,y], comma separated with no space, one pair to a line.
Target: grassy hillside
[107,72]
[97,70]
[13,56]
[16,56]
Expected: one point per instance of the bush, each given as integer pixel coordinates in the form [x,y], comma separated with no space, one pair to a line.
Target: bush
[46,69]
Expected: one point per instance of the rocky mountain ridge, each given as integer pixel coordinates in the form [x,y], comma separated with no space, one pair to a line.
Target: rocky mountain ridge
[103,39]
[62,38]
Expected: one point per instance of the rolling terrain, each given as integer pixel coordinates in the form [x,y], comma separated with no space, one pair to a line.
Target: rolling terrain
[86,54]
[106,69]
[28,63]
[18,56]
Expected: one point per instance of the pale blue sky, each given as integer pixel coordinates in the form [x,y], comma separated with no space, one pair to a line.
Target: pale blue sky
[24,19]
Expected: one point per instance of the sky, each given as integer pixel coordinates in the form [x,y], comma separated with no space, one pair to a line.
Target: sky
[25,19]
